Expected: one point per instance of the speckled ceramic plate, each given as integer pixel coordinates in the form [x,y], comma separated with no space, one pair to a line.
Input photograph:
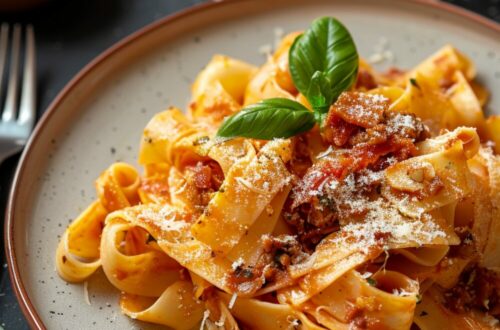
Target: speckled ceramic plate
[98,119]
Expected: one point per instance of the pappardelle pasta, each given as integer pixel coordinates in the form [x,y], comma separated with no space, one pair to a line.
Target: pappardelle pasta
[381,214]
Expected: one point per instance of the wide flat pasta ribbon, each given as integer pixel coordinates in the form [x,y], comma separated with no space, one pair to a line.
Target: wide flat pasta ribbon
[133,265]
[219,89]
[77,255]
[448,169]
[443,64]
[252,181]
[273,78]
[431,314]
[171,138]
[389,303]
[266,315]
[117,186]
[175,308]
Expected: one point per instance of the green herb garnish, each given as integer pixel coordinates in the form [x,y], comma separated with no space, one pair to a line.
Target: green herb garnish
[323,63]
[371,281]
[268,119]
[201,140]
[414,82]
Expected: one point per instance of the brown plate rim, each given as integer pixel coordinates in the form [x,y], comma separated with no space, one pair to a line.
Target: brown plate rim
[27,307]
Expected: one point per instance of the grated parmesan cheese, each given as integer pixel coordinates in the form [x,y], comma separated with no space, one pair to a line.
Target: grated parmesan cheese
[382,220]
[382,52]
[250,186]
[492,321]
[278,35]
[221,321]
[265,49]
[325,153]
[294,322]
[366,275]
[206,314]
[232,301]
[376,58]
[166,218]
[402,293]
[237,264]
[86,293]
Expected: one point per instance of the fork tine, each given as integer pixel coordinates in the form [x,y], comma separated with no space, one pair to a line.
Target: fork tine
[9,110]
[28,93]
[4,39]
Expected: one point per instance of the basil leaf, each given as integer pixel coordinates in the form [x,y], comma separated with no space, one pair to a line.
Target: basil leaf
[320,117]
[268,119]
[323,62]
[319,94]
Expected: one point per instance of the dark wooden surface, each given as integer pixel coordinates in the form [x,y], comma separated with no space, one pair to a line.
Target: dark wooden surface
[71,33]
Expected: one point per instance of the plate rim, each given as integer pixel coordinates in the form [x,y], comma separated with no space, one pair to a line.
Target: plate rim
[22,296]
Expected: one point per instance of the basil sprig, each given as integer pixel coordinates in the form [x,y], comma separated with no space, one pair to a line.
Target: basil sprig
[268,119]
[323,63]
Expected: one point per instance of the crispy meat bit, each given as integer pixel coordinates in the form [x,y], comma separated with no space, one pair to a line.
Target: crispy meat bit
[301,159]
[311,222]
[406,125]
[206,175]
[283,250]
[365,80]
[360,109]
[217,175]
[337,131]
[478,288]
[245,279]
[357,317]
[201,175]
[279,252]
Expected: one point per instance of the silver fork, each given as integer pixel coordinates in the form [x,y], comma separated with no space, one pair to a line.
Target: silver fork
[17,121]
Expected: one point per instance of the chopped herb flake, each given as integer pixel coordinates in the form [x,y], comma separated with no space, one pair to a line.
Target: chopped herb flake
[414,82]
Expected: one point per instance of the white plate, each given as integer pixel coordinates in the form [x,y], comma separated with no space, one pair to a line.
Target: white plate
[99,117]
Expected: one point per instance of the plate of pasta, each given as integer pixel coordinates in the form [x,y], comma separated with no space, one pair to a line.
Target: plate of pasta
[247,165]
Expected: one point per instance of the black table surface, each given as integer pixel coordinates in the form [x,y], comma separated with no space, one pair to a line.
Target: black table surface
[69,34]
